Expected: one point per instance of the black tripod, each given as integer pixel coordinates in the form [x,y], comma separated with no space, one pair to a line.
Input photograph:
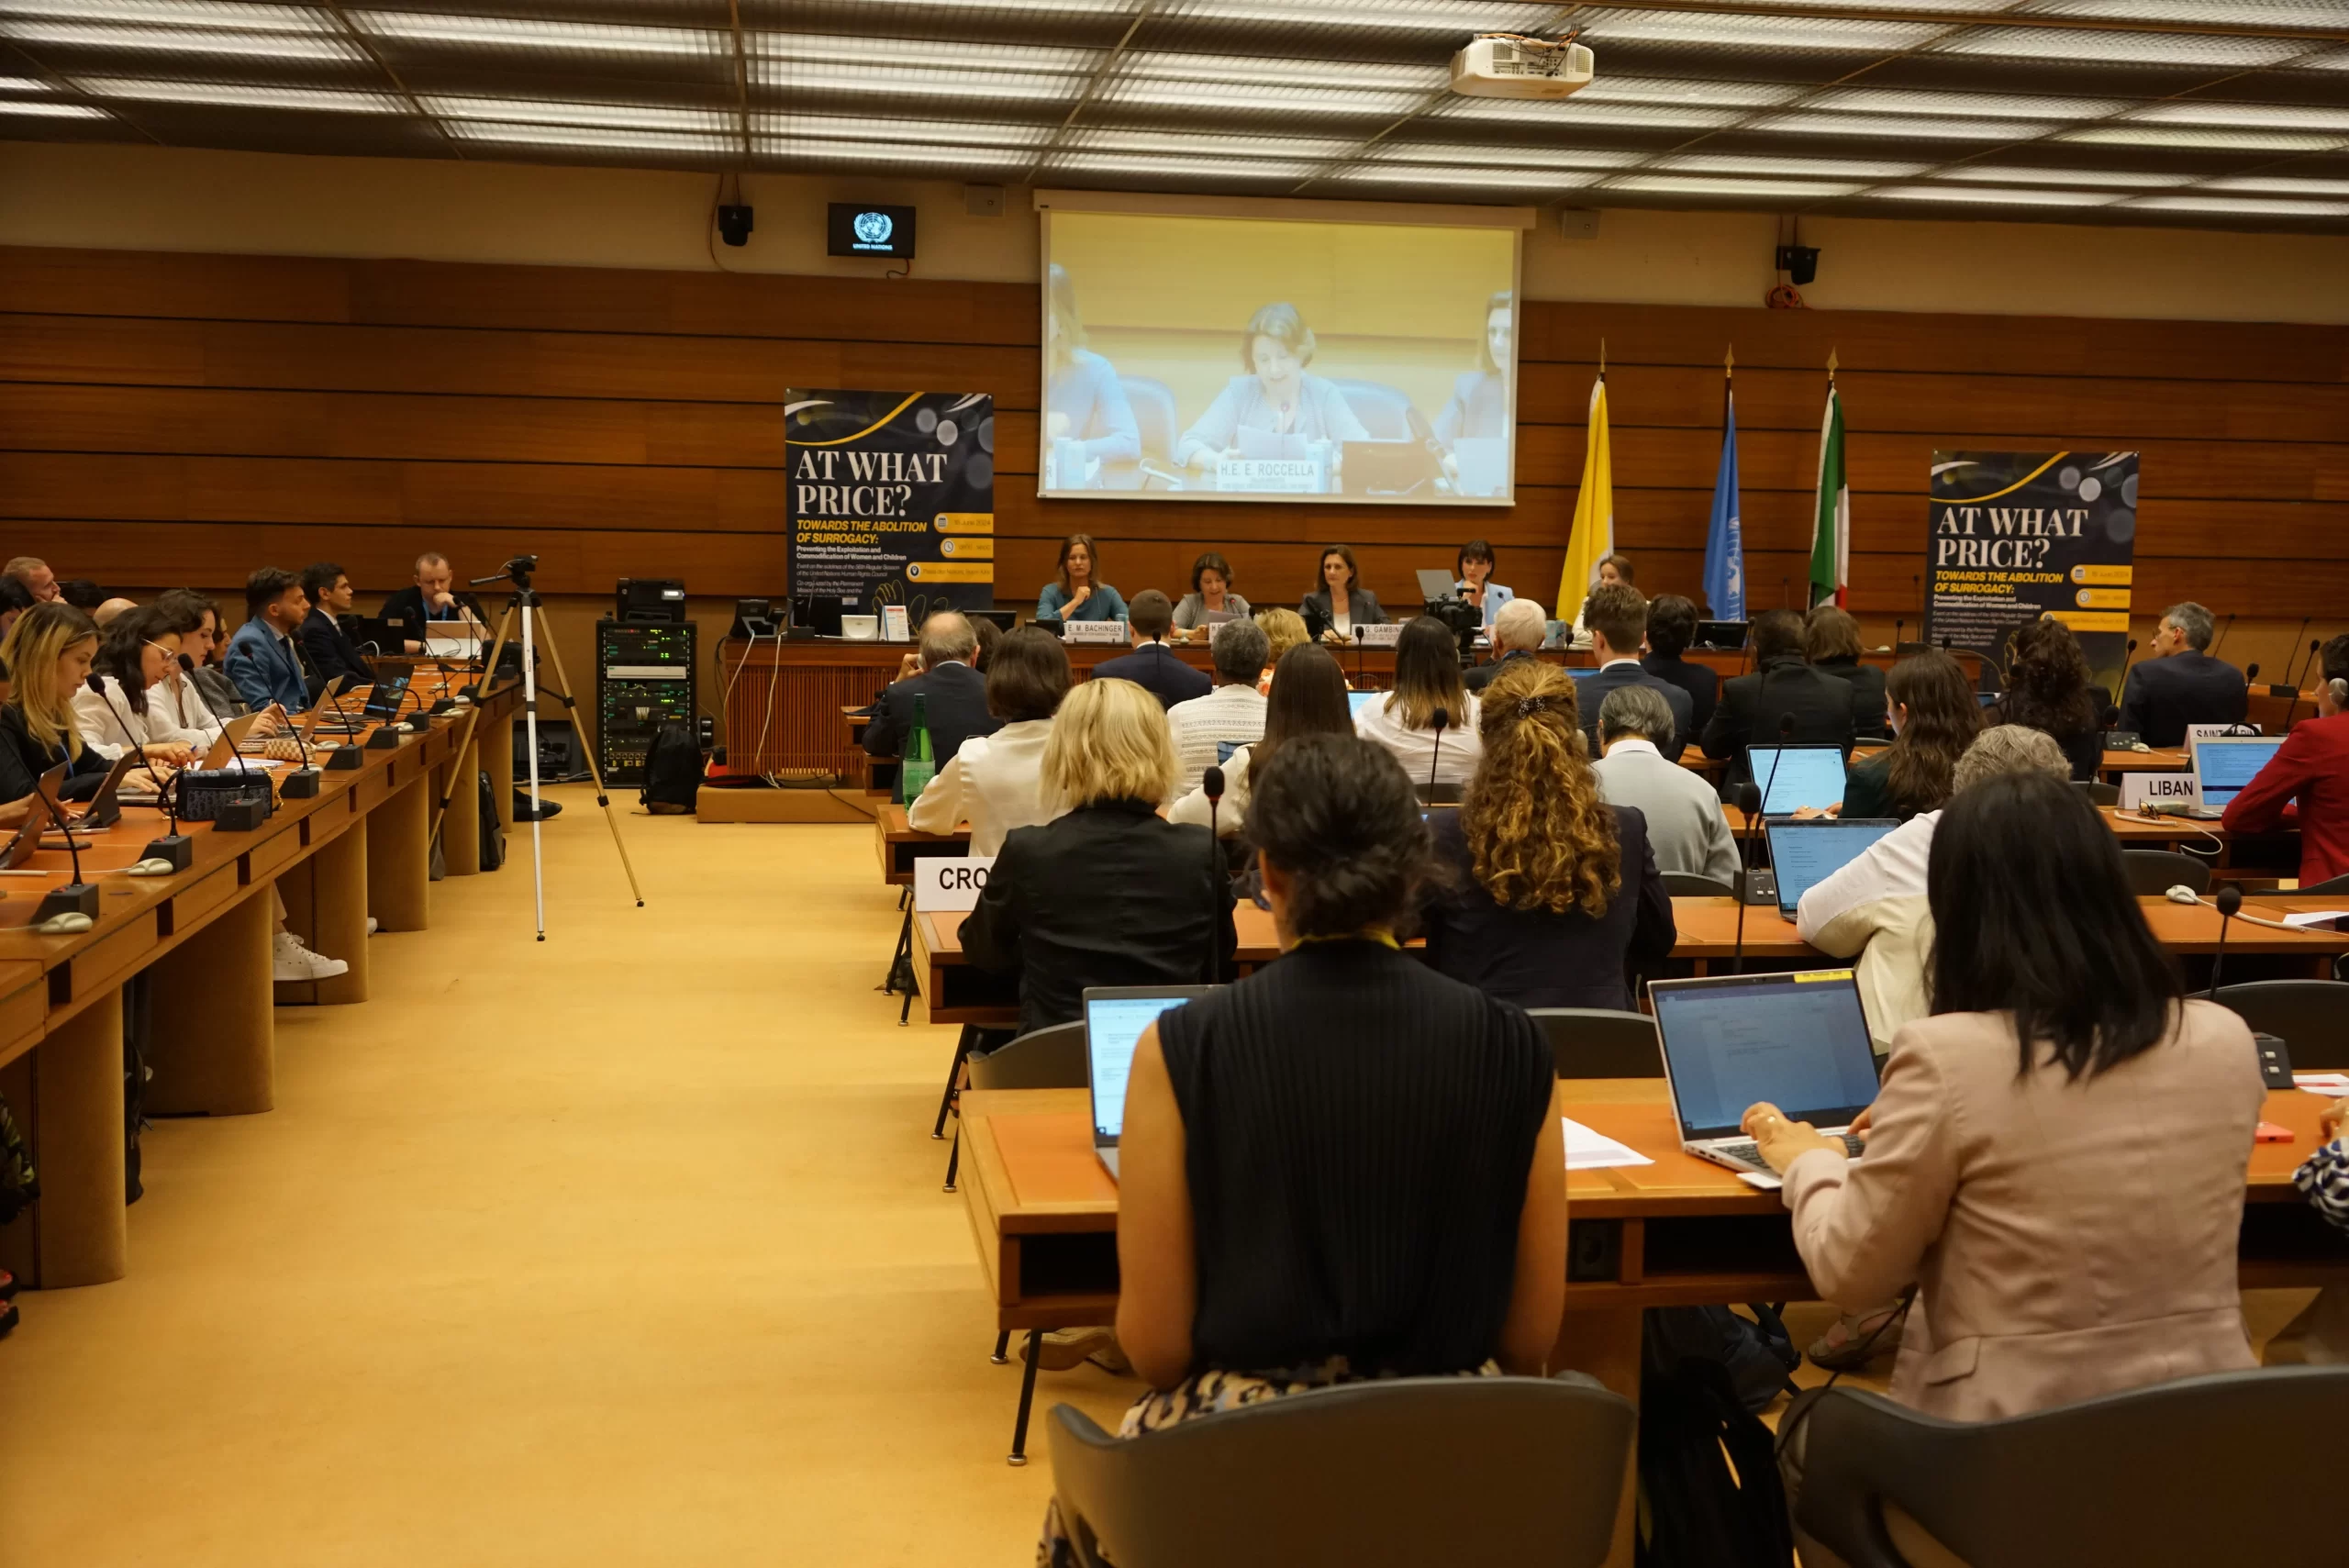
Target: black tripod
[525,599]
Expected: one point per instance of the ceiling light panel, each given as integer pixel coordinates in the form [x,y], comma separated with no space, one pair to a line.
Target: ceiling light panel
[1155,142]
[1721,31]
[51,110]
[1671,91]
[320,100]
[2256,13]
[1394,16]
[1992,196]
[1997,174]
[1573,114]
[882,56]
[1801,167]
[183,14]
[1759,190]
[2246,206]
[2276,184]
[209,43]
[2161,48]
[1908,127]
[1523,158]
[536,111]
[2125,134]
[1166,79]
[25,84]
[564,38]
[1991,105]
[1437,175]
[846,127]
[2253,117]
[804,152]
[605,137]
[1175,166]
[915,83]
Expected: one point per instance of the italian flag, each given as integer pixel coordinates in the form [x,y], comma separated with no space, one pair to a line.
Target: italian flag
[1830,537]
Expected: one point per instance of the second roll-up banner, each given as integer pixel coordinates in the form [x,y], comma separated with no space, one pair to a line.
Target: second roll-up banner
[2018,537]
[892,498]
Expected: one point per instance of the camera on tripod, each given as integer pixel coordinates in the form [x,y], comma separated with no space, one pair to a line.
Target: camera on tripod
[1441,601]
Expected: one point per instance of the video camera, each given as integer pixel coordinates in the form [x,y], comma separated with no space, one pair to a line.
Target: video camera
[1442,601]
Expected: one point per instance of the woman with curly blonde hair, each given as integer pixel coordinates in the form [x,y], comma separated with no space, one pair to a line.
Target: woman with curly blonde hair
[1552,898]
[1284,629]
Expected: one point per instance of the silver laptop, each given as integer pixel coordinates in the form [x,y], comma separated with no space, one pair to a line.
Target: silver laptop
[1795,777]
[1114,1017]
[1807,850]
[231,733]
[1798,1040]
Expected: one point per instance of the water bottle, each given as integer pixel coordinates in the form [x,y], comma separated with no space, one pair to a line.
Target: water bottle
[919,766]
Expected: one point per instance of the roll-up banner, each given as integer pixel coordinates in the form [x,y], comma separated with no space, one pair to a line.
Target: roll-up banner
[2016,537]
[892,498]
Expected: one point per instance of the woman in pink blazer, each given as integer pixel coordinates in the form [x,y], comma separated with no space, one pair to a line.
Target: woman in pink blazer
[2055,1159]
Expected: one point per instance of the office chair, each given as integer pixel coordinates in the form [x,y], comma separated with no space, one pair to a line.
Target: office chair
[2153,873]
[1688,885]
[1050,1058]
[2198,1471]
[1598,1043]
[2098,792]
[2311,1017]
[1515,1470]
[1437,794]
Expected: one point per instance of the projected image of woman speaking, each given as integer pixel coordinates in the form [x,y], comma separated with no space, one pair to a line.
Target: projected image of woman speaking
[1085,406]
[1278,397]
[1474,427]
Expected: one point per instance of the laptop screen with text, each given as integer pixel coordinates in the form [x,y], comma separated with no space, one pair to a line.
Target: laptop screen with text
[1804,776]
[1806,853]
[1113,1026]
[1798,1040]
[2224,765]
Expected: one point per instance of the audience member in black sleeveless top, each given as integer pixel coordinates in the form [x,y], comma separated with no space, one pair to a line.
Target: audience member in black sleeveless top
[2048,690]
[1105,894]
[1550,897]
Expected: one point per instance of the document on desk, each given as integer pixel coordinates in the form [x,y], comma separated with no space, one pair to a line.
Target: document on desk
[1591,1150]
[2304,918]
[2331,1085]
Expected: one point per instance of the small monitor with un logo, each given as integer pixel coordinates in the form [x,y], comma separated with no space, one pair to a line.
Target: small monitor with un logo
[859,228]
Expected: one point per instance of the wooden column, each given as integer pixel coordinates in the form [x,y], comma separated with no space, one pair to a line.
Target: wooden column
[214,1029]
[326,906]
[495,737]
[78,1232]
[397,853]
[461,829]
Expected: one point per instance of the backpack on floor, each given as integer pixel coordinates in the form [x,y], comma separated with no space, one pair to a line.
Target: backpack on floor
[1699,1384]
[493,831]
[673,771]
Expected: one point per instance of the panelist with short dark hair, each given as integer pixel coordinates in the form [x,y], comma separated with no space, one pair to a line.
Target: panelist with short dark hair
[1472,571]
[1341,603]
[263,659]
[1618,620]
[955,696]
[1153,666]
[1107,893]
[1672,626]
[2177,684]
[1554,897]
[1079,594]
[2306,781]
[1517,632]
[329,651]
[1783,686]
[1210,600]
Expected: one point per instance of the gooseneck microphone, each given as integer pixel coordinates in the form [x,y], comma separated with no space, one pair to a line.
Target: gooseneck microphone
[1786,733]
[345,756]
[2223,634]
[173,847]
[1212,783]
[1897,626]
[2229,900]
[76,897]
[1362,641]
[1439,721]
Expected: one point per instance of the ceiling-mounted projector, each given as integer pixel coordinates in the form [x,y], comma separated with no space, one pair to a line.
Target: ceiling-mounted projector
[1511,66]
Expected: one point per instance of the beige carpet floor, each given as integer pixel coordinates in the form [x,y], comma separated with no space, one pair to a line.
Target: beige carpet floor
[626,1248]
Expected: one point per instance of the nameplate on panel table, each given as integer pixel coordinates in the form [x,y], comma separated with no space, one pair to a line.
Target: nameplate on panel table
[2140,790]
[945,885]
[896,625]
[1381,636]
[1094,631]
[1273,475]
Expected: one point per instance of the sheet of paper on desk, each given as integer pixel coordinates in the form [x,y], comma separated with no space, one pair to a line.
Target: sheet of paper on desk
[2332,1086]
[1590,1151]
[2306,918]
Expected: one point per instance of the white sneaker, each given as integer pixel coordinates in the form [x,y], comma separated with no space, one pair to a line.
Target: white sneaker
[289,960]
[371,925]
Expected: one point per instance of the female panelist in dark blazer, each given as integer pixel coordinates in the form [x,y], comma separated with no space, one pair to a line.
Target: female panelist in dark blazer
[1341,587]
[1552,896]
[47,653]
[1107,893]
[1831,641]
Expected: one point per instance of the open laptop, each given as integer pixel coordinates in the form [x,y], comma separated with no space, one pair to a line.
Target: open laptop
[1114,1017]
[2224,763]
[231,734]
[1804,776]
[1807,850]
[1358,703]
[1798,1040]
[27,842]
[105,808]
[1720,636]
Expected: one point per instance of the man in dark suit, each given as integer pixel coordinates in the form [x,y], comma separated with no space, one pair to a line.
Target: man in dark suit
[1154,667]
[1782,686]
[329,651]
[1518,630]
[2179,683]
[1615,616]
[955,695]
[1672,626]
[434,596]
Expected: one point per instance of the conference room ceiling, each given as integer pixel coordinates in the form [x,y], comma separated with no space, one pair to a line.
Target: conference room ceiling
[2224,114]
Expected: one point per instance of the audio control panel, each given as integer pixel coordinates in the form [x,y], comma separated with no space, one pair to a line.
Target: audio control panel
[645,677]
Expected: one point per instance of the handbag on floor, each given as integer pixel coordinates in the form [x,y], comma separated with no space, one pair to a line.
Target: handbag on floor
[19,1183]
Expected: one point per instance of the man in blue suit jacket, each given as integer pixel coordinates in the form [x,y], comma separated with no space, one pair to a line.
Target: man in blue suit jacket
[1153,666]
[1618,617]
[263,659]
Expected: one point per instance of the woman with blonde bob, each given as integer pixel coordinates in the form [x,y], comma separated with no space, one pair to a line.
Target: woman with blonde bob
[1284,629]
[1106,894]
[1554,897]
[48,652]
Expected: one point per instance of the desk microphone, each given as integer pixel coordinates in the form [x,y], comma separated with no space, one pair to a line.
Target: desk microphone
[1749,800]
[303,782]
[1362,641]
[1212,781]
[1439,721]
[2229,899]
[346,756]
[1897,625]
[1783,584]
[75,907]
[173,847]
[2314,646]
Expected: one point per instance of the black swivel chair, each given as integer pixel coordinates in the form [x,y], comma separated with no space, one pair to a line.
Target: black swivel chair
[2205,1470]
[2153,873]
[2097,792]
[2311,1017]
[1688,885]
[1050,1058]
[1422,1469]
[1599,1042]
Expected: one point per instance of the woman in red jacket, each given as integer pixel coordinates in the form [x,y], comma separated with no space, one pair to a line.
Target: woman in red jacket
[2311,770]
